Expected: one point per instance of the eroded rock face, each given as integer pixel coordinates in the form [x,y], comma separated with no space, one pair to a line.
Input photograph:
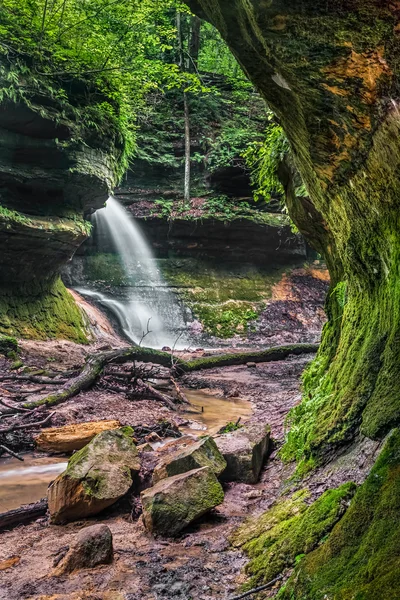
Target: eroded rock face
[72,437]
[203,453]
[93,546]
[245,451]
[96,477]
[54,169]
[47,183]
[175,502]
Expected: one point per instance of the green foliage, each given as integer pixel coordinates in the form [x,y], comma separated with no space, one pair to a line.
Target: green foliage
[361,558]
[116,49]
[263,158]
[291,528]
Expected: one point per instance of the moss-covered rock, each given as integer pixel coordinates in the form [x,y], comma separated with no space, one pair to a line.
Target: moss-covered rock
[202,453]
[53,169]
[224,299]
[175,502]
[8,345]
[41,312]
[96,477]
[361,558]
[291,528]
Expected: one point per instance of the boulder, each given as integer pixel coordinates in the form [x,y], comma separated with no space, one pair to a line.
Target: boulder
[93,546]
[202,453]
[72,437]
[175,502]
[244,451]
[96,477]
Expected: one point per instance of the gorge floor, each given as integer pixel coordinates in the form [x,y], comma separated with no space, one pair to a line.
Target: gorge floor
[200,563]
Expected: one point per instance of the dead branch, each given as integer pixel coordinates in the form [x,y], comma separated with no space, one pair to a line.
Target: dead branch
[27,425]
[6,449]
[13,407]
[95,364]
[179,392]
[23,515]
[258,589]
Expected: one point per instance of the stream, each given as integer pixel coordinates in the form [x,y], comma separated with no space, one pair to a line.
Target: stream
[27,482]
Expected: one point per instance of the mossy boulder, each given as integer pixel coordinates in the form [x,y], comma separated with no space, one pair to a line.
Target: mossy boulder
[173,503]
[245,451]
[96,477]
[203,453]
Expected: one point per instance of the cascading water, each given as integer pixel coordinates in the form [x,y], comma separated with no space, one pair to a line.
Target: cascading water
[147,303]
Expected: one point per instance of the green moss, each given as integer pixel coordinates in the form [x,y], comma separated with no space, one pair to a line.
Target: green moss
[8,346]
[17,364]
[48,312]
[224,300]
[290,528]
[361,558]
[105,268]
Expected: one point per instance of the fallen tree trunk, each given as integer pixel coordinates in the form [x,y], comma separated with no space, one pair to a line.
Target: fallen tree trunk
[23,515]
[96,362]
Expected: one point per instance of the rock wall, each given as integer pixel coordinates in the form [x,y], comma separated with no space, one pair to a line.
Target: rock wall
[49,179]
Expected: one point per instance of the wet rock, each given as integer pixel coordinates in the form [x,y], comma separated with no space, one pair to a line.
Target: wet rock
[175,502]
[251,365]
[244,451]
[96,477]
[93,546]
[72,437]
[203,453]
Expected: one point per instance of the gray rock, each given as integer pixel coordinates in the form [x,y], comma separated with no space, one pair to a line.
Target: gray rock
[245,451]
[93,546]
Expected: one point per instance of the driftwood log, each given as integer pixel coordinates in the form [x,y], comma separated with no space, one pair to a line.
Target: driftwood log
[23,515]
[95,364]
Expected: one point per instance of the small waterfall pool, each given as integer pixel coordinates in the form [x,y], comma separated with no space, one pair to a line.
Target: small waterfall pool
[145,304]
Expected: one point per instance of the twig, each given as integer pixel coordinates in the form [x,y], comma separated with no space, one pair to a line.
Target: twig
[11,452]
[36,424]
[179,392]
[16,408]
[258,589]
[148,331]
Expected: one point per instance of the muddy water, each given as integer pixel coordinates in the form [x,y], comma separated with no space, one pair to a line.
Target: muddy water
[209,413]
[26,482]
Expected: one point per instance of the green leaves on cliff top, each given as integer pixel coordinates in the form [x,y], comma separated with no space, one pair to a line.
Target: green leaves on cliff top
[117,49]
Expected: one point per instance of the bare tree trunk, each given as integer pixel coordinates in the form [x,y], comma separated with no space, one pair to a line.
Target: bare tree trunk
[183,67]
[187,148]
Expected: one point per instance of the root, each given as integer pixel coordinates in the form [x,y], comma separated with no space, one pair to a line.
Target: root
[95,364]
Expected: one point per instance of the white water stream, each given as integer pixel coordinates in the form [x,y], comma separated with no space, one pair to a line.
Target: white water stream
[147,302]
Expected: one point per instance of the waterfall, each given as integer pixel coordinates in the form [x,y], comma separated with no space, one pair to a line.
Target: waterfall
[147,303]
